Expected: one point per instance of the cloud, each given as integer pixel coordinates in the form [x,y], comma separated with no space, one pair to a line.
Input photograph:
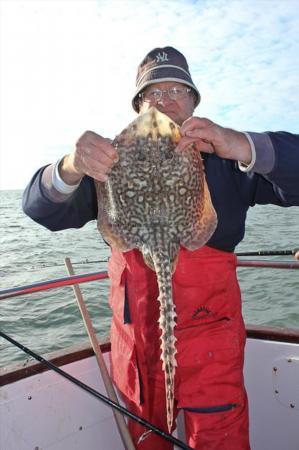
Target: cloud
[69,66]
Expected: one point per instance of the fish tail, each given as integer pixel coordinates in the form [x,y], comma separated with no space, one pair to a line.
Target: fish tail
[166,323]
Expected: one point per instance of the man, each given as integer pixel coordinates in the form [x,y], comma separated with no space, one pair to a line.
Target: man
[242,169]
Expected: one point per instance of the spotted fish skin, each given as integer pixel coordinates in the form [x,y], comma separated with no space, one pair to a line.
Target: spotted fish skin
[156,200]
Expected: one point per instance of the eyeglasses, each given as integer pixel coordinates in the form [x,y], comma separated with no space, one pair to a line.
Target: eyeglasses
[155,95]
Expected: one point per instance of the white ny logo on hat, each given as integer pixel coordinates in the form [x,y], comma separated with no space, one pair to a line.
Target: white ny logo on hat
[162,57]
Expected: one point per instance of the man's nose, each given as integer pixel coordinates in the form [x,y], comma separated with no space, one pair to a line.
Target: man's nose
[164,98]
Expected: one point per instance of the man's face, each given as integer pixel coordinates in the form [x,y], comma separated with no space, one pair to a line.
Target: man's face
[178,109]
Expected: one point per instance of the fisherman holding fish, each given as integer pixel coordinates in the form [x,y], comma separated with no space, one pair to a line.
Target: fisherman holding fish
[241,169]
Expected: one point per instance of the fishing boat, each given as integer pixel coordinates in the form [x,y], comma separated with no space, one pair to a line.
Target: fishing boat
[67,409]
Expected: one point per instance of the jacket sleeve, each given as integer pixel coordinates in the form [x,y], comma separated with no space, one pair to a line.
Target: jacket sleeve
[73,212]
[275,178]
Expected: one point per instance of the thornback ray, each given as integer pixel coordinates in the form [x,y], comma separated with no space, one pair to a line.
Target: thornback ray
[156,200]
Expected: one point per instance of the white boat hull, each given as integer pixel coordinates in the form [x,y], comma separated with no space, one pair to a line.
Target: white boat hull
[45,411]
[273,394]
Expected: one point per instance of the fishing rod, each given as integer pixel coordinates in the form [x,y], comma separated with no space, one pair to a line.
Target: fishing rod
[42,265]
[250,253]
[269,252]
[81,263]
[97,394]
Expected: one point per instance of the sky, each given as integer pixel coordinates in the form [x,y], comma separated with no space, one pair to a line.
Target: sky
[70,66]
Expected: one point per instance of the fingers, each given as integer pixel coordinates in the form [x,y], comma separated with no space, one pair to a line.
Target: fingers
[210,137]
[199,144]
[197,131]
[196,123]
[94,156]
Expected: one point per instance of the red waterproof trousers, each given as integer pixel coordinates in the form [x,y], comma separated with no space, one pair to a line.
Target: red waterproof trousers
[210,333]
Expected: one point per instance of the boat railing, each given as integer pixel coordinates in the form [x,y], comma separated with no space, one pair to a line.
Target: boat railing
[52,284]
[253,331]
[87,277]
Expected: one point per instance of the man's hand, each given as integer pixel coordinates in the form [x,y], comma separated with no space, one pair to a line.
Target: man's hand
[212,138]
[93,156]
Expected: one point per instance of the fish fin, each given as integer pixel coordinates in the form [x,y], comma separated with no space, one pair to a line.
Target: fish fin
[108,230]
[204,227]
[148,260]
